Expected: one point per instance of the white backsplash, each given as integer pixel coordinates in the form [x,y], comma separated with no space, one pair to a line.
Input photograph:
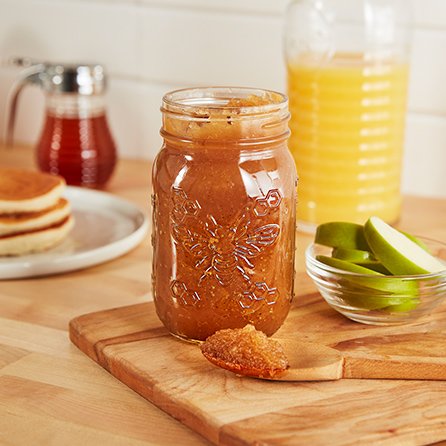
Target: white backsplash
[151,46]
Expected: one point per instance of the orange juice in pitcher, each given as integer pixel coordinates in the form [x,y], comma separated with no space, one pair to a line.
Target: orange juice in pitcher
[347,88]
[347,138]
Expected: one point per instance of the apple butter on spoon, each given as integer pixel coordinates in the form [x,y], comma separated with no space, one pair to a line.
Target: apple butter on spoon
[246,351]
[250,352]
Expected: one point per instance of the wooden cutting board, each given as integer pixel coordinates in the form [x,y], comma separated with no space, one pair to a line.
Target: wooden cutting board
[132,345]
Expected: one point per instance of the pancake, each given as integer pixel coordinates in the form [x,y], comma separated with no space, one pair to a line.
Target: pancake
[37,240]
[27,221]
[28,191]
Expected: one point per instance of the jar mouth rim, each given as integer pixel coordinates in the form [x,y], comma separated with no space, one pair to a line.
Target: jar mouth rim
[192,101]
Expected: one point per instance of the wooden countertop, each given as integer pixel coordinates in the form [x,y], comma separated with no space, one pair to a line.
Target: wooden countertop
[50,392]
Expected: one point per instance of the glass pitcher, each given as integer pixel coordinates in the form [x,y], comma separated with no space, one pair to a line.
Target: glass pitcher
[75,141]
[348,64]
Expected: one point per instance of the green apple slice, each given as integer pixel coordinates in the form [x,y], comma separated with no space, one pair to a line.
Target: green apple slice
[352,255]
[370,302]
[344,265]
[408,305]
[416,240]
[364,292]
[341,234]
[399,254]
[376,281]
[375,265]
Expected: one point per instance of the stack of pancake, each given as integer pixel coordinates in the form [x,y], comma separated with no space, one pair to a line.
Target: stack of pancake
[33,214]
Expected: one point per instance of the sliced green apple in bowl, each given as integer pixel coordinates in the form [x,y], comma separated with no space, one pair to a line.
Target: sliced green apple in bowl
[369,289]
[403,307]
[352,255]
[341,234]
[360,257]
[381,265]
[397,252]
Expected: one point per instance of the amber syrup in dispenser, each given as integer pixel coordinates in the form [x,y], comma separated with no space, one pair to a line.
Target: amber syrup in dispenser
[76,142]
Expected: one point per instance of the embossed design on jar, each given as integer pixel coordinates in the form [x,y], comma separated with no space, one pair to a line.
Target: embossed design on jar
[226,253]
[182,205]
[154,203]
[263,205]
[258,295]
[183,294]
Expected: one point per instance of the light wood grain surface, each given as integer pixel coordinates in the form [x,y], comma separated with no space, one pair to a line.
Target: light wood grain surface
[132,345]
[51,393]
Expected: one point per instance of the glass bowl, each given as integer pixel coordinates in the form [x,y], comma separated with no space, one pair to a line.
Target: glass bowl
[378,300]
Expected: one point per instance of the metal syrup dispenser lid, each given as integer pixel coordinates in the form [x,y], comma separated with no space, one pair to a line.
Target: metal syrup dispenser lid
[82,78]
[54,78]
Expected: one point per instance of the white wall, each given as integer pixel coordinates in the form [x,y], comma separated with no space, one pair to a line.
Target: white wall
[152,46]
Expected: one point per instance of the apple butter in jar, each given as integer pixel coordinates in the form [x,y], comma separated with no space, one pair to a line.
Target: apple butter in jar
[224,197]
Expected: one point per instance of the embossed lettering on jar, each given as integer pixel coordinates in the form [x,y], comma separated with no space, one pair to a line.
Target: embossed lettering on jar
[224,193]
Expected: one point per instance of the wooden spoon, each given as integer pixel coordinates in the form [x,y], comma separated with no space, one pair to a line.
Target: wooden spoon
[244,352]
[310,362]
[420,356]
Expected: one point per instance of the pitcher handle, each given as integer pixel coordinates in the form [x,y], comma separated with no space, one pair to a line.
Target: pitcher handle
[30,75]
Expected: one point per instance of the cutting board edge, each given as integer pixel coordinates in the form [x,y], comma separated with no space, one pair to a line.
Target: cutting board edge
[82,338]
[176,409]
[75,335]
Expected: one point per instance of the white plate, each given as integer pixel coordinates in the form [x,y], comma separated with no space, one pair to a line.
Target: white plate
[105,227]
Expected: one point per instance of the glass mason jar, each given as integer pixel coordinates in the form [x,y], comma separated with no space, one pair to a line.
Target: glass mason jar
[224,195]
[347,83]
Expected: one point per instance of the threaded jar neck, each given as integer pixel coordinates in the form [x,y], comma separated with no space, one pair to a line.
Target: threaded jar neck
[229,115]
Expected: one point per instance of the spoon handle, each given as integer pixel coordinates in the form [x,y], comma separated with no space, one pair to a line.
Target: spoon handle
[420,356]
[311,362]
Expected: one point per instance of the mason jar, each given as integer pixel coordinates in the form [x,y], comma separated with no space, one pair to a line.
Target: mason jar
[224,197]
